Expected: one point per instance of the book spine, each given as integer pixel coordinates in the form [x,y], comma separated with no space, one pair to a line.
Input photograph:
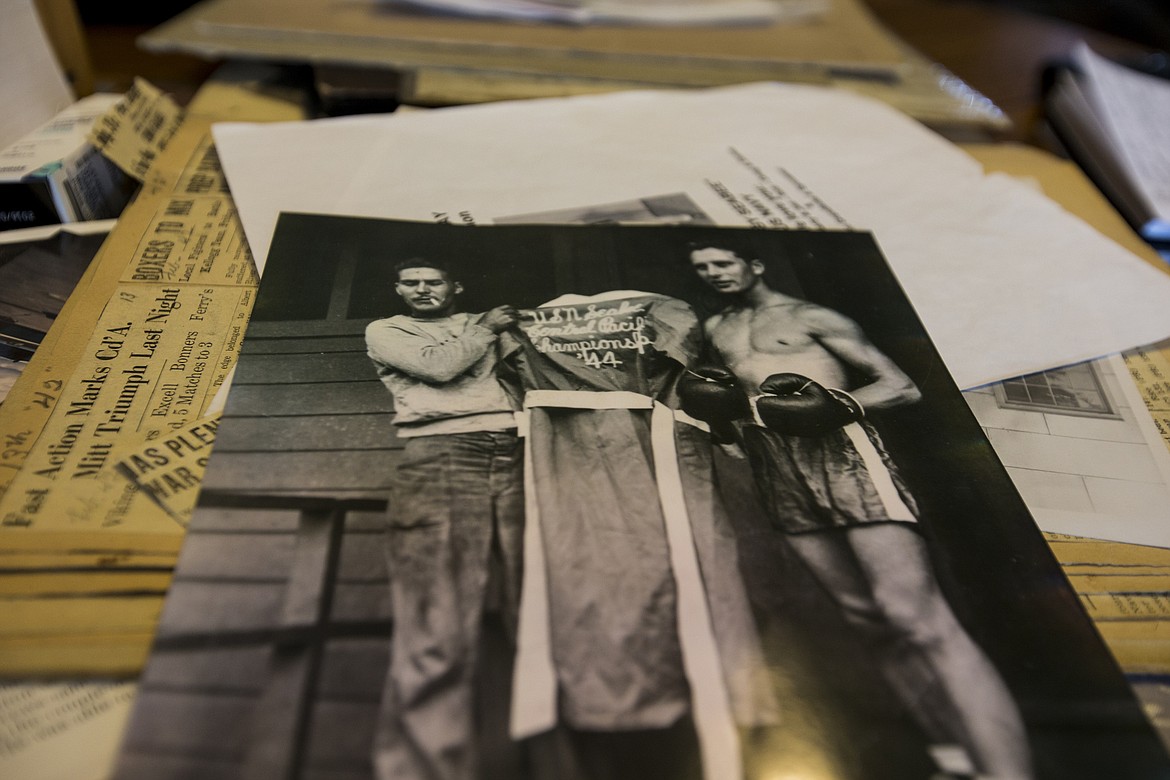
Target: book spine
[93,186]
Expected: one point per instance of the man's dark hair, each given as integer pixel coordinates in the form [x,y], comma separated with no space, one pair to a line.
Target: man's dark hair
[726,246]
[423,262]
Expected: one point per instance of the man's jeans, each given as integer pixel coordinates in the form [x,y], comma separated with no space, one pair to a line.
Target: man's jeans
[457,509]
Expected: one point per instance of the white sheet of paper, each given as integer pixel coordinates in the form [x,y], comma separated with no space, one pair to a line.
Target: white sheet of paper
[34,87]
[1005,281]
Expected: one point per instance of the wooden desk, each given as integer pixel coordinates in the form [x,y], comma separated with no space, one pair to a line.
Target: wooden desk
[999,53]
[117,60]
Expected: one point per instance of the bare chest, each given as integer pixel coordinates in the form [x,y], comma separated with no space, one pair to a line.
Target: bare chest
[753,332]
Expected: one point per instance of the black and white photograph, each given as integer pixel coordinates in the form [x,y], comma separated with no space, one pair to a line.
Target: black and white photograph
[38,270]
[612,501]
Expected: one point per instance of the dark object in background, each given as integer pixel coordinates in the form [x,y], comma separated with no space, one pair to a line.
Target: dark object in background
[355,89]
[1146,22]
[133,14]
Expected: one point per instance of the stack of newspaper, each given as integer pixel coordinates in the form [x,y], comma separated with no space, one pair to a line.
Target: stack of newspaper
[82,584]
[446,60]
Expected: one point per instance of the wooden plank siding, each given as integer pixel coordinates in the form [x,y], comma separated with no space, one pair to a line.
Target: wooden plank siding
[274,644]
[307,416]
[320,398]
[304,368]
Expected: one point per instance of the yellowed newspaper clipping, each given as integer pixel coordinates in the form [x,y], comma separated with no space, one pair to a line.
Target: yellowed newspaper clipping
[104,437]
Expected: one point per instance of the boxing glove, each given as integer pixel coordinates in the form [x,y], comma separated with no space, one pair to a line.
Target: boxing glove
[797,406]
[713,395]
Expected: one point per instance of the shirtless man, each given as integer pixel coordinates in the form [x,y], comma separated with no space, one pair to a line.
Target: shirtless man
[831,488]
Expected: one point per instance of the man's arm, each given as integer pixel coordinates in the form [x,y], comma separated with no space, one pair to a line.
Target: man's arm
[887,386]
[420,357]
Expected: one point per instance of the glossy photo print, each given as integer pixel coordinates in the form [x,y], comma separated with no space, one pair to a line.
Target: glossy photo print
[612,501]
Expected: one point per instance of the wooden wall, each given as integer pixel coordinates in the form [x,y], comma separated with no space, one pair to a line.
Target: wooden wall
[274,641]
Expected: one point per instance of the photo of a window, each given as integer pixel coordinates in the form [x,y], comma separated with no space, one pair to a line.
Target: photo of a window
[1075,390]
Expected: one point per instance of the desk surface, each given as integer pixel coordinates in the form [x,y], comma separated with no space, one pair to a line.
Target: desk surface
[997,50]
